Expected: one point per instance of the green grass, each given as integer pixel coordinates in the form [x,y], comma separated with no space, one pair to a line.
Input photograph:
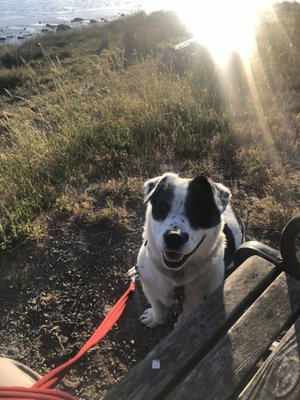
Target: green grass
[90,105]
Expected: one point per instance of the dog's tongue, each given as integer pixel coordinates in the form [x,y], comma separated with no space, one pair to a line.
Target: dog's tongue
[173,256]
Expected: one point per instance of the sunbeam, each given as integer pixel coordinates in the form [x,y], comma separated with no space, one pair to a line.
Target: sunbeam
[223,27]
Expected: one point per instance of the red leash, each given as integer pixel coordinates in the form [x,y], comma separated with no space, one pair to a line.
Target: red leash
[43,388]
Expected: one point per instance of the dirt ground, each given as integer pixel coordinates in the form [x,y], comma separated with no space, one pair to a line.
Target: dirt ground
[54,293]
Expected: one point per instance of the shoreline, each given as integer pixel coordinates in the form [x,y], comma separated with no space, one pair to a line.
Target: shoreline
[19,24]
[17,34]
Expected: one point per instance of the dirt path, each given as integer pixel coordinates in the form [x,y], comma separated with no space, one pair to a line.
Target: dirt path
[54,293]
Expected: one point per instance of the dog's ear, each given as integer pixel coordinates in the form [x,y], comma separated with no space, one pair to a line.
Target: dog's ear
[149,188]
[221,194]
[153,185]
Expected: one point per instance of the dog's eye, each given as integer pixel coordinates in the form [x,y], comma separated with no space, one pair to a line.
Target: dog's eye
[163,208]
[160,209]
[201,210]
[198,213]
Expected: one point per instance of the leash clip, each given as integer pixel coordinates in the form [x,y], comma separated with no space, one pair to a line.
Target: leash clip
[178,294]
[133,273]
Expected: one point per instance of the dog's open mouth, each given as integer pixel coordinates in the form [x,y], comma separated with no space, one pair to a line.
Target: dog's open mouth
[176,260]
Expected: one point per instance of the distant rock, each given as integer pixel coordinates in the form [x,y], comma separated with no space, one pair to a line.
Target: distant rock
[122,15]
[77,20]
[93,21]
[2,39]
[62,28]
[51,26]
[20,37]
[177,57]
[44,30]
[104,20]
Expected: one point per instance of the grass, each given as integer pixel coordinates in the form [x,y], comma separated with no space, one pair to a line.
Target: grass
[90,105]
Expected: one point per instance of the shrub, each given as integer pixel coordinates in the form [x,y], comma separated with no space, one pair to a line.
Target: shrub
[13,77]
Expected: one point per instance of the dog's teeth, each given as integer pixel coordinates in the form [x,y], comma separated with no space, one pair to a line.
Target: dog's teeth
[172,259]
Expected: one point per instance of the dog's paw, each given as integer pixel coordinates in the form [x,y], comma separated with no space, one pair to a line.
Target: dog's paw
[149,319]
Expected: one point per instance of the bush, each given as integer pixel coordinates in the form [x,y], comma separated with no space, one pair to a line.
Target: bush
[13,77]
[144,35]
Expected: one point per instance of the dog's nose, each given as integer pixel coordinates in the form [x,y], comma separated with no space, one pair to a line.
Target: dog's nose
[174,238]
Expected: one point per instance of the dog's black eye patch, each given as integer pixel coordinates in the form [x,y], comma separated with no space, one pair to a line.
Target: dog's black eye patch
[200,207]
[160,210]
[161,201]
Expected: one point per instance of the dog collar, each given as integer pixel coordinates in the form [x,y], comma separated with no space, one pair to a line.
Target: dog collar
[178,294]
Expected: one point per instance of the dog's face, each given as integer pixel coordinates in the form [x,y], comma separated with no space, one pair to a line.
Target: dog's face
[182,214]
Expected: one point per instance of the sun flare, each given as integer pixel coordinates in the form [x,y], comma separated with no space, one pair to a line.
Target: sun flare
[222,26]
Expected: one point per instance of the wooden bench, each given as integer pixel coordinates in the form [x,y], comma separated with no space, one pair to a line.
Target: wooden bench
[242,343]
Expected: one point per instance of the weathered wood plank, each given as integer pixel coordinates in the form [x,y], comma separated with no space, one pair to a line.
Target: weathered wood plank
[279,377]
[185,346]
[224,370]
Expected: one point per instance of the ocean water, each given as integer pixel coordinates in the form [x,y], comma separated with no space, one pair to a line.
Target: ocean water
[22,18]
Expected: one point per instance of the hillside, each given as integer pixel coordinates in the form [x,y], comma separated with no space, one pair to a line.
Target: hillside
[85,117]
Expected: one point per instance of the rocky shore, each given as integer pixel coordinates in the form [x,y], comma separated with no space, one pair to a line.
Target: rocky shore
[17,34]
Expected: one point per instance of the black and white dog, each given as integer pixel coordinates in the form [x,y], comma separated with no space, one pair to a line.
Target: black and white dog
[190,235]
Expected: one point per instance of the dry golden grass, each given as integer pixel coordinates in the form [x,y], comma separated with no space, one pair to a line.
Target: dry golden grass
[106,115]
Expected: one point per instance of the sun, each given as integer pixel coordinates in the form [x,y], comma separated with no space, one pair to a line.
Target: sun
[223,26]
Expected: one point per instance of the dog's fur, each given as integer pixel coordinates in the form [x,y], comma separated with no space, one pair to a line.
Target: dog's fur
[187,225]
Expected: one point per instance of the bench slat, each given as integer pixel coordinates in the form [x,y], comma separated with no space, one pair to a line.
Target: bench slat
[224,371]
[279,377]
[182,349]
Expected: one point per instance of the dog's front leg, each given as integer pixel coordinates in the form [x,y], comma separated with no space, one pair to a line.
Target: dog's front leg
[196,294]
[156,314]
[193,298]
[189,305]
[153,316]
